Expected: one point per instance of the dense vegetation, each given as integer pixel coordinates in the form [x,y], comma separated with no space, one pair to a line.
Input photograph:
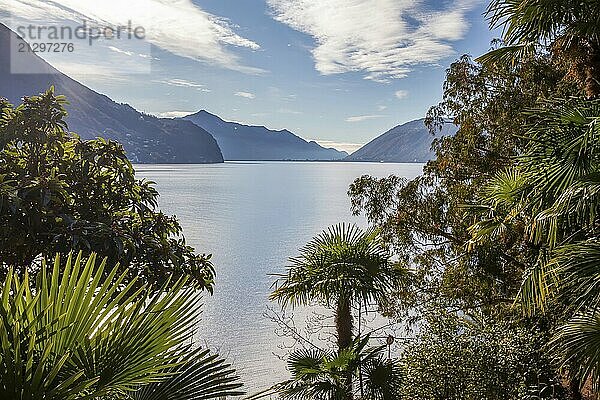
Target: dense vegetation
[59,193]
[121,329]
[498,239]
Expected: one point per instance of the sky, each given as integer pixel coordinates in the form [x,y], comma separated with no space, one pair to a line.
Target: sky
[341,72]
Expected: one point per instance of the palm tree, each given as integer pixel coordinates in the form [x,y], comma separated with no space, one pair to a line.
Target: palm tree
[570,29]
[73,334]
[320,375]
[554,193]
[342,267]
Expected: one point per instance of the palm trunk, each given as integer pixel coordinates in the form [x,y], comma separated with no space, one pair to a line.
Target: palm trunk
[344,325]
[592,73]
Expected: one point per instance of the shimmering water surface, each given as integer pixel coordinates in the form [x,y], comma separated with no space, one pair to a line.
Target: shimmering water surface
[252,216]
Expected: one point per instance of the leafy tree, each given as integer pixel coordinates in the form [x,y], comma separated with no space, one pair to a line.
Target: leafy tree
[567,29]
[461,358]
[341,267]
[59,193]
[425,220]
[75,334]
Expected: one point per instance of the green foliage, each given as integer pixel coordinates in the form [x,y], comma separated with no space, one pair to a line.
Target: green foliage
[429,221]
[568,29]
[344,263]
[578,341]
[551,192]
[81,332]
[59,193]
[197,375]
[509,206]
[469,359]
[557,202]
[341,267]
[321,375]
[425,219]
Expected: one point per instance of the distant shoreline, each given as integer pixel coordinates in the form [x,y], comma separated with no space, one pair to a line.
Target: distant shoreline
[287,161]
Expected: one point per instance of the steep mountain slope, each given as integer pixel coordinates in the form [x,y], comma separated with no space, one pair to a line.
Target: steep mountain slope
[410,142]
[147,139]
[244,143]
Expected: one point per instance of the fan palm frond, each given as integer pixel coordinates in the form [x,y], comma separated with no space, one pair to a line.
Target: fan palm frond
[508,54]
[382,379]
[198,375]
[342,262]
[576,265]
[578,343]
[553,192]
[321,375]
[539,284]
[567,29]
[75,335]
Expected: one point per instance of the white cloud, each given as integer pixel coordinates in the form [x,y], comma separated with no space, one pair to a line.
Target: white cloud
[361,118]
[174,114]
[178,26]
[342,146]
[130,53]
[385,39]
[245,95]
[184,83]
[89,72]
[117,50]
[401,94]
[381,108]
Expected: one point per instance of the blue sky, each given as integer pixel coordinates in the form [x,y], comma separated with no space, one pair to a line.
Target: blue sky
[338,71]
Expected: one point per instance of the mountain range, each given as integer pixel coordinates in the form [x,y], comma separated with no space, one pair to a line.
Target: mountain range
[146,139]
[246,143]
[197,138]
[407,143]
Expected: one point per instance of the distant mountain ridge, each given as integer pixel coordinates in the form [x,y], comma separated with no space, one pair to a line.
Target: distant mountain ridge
[147,139]
[409,142]
[240,142]
[197,138]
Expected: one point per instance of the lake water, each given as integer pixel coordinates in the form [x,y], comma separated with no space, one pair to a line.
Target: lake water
[253,216]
